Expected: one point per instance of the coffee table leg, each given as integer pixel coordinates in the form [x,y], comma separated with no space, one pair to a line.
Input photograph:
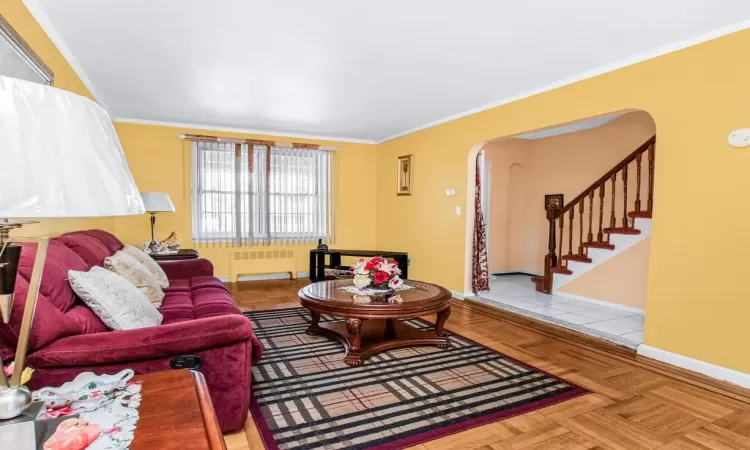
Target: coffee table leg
[312,330]
[442,316]
[354,328]
[390,329]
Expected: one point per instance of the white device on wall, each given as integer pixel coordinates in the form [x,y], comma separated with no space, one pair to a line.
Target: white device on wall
[740,138]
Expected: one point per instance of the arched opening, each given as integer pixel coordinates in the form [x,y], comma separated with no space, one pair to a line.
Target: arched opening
[600,277]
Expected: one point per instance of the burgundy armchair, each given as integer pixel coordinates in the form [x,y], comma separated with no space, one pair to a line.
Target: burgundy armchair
[200,319]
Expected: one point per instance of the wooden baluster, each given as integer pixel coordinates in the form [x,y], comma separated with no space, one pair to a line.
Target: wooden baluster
[550,260]
[571,216]
[625,197]
[651,177]
[612,219]
[580,228]
[590,237]
[600,235]
[560,253]
[638,158]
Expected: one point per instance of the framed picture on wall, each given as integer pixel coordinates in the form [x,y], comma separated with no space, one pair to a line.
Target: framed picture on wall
[404,176]
[553,201]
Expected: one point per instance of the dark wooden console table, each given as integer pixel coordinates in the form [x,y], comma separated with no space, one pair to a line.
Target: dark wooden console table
[318,260]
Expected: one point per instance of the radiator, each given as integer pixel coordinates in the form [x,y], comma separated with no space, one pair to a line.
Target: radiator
[258,262]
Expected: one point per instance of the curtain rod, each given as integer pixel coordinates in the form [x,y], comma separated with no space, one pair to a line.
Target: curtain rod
[202,137]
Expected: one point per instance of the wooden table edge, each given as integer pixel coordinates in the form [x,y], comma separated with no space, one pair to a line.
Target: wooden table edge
[213,430]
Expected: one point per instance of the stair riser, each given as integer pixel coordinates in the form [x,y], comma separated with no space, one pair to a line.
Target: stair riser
[621,242]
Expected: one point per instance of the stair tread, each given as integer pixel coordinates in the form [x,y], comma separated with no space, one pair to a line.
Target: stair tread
[577,258]
[640,214]
[621,230]
[597,244]
[562,270]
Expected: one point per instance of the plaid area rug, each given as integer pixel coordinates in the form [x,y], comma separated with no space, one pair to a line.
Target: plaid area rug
[305,397]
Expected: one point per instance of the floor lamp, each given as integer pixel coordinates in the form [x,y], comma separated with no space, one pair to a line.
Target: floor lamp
[61,158]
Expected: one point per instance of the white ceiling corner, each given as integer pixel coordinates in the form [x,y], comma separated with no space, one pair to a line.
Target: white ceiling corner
[352,71]
[37,11]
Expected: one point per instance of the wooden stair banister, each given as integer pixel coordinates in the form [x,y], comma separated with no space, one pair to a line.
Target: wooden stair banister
[554,262]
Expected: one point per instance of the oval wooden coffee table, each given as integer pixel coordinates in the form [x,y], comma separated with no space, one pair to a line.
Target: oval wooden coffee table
[373,327]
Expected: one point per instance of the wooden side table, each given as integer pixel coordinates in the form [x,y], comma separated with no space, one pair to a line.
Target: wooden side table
[176,413]
[185,253]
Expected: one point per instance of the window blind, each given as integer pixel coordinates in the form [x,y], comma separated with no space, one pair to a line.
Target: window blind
[250,195]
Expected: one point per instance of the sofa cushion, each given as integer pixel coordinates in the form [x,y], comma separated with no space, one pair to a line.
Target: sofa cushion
[54,285]
[149,263]
[178,286]
[49,323]
[203,281]
[129,268]
[88,248]
[87,321]
[119,304]
[107,239]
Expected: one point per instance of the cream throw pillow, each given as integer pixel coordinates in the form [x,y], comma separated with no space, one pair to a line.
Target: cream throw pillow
[152,266]
[127,267]
[119,304]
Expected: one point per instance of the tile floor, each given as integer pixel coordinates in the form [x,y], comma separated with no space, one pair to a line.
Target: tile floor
[516,293]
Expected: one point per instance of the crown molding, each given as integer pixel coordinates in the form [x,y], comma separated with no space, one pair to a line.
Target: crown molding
[40,16]
[629,61]
[273,133]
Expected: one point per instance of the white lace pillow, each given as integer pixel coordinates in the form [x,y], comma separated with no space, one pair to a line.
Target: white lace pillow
[119,304]
[127,267]
[152,266]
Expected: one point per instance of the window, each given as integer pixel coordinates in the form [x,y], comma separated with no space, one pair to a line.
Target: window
[257,195]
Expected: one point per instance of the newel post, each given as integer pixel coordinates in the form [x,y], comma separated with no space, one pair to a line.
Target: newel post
[550,260]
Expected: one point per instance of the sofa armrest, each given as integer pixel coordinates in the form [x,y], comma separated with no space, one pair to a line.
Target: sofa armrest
[187,268]
[146,343]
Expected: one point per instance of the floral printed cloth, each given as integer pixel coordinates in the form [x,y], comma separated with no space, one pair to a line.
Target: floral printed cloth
[117,415]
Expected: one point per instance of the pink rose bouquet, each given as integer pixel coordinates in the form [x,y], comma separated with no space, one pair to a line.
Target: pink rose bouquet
[377,272]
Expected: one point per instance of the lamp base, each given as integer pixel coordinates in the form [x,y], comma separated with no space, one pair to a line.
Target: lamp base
[13,402]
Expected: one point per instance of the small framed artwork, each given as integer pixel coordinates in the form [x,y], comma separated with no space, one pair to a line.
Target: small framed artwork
[553,201]
[404,177]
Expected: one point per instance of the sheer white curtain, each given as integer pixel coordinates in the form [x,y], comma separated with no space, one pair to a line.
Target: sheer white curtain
[247,195]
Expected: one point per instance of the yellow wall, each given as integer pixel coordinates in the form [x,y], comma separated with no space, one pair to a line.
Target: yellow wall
[696,305]
[27,27]
[622,279]
[696,97]
[161,162]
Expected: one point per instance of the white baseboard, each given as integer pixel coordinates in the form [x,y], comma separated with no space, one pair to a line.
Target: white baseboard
[461,295]
[267,276]
[708,369]
[580,298]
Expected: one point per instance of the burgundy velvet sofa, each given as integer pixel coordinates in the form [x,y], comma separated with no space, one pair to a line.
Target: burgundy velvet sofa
[200,319]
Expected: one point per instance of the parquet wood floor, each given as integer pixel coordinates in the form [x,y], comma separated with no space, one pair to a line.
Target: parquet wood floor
[633,405]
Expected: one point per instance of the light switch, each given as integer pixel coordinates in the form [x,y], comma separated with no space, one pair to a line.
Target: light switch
[450,192]
[458,210]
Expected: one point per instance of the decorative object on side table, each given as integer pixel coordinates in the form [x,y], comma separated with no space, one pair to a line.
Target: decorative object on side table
[404,176]
[49,134]
[183,253]
[156,202]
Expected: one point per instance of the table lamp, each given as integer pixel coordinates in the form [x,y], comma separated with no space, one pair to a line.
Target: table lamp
[61,158]
[156,202]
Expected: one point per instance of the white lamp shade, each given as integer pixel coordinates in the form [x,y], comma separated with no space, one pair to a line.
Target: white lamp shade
[60,156]
[157,202]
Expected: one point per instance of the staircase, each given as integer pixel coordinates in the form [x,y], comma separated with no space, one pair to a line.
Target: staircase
[613,223]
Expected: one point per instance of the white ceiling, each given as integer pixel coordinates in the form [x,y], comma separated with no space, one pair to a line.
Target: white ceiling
[583,125]
[356,70]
